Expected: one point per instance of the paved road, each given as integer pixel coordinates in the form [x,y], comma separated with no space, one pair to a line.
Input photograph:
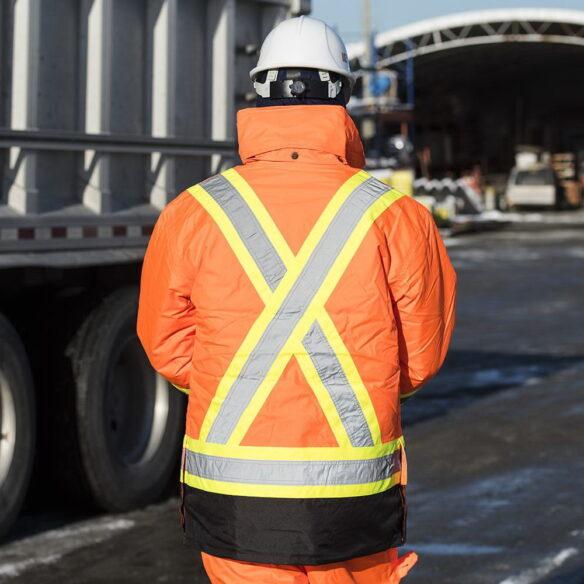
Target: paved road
[495,444]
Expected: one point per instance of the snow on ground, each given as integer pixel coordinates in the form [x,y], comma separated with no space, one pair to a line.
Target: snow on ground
[543,569]
[49,547]
[455,549]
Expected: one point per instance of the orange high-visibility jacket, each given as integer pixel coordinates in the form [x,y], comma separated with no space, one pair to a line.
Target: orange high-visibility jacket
[296,299]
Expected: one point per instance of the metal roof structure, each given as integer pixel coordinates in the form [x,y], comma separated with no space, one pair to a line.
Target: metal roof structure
[477,28]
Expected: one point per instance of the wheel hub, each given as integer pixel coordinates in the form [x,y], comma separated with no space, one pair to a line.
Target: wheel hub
[136,406]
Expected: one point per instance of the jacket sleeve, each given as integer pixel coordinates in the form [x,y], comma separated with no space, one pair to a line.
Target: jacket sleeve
[422,282]
[166,315]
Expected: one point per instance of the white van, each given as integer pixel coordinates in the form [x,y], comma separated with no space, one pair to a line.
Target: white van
[534,186]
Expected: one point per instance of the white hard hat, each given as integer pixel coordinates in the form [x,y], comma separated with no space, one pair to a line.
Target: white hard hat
[304,42]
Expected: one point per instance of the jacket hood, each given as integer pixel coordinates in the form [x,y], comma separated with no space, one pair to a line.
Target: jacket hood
[323,128]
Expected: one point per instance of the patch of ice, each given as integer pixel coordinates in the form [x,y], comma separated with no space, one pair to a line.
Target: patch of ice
[89,529]
[455,549]
[11,570]
[525,217]
[483,498]
[47,548]
[484,255]
[510,376]
[575,410]
[575,252]
[545,567]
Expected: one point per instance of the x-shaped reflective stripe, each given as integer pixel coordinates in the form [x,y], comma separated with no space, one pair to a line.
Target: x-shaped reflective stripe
[237,199]
[294,290]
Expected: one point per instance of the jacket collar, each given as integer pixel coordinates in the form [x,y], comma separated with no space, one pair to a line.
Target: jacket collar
[321,128]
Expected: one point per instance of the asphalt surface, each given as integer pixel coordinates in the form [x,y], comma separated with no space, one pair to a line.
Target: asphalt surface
[496,462]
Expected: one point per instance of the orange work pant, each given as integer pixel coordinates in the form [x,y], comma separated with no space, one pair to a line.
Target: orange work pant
[381,568]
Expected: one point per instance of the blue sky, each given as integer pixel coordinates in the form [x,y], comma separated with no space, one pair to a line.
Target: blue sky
[346,14]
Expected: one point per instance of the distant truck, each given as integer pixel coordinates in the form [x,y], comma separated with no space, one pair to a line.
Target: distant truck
[540,180]
[107,110]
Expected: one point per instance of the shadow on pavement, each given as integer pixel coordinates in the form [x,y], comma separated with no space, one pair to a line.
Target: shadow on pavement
[471,375]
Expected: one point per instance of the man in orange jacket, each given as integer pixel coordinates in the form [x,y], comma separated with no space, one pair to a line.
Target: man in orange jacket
[297,300]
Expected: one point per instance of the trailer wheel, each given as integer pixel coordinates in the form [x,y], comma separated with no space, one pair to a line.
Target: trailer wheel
[17,425]
[129,422]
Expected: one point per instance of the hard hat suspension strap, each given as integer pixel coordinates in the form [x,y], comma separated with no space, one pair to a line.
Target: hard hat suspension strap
[298,87]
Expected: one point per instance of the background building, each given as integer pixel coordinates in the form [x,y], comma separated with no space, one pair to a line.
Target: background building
[488,82]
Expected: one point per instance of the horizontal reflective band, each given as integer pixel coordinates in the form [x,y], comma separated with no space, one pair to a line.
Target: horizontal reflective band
[290,491]
[248,228]
[291,310]
[292,473]
[335,381]
[292,452]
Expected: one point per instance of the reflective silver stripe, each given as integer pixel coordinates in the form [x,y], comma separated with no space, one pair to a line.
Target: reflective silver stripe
[246,224]
[336,383]
[292,472]
[263,355]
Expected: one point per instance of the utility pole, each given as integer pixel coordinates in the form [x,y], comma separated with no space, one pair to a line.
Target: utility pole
[368,128]
[368,56]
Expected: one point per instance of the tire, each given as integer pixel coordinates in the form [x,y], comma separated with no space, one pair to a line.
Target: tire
[17,425]
[129,421]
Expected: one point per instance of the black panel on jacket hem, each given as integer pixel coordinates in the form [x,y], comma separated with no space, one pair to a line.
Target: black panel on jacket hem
[294,531]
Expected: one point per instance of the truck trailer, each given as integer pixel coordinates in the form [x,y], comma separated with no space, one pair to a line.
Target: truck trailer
[108,109]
